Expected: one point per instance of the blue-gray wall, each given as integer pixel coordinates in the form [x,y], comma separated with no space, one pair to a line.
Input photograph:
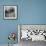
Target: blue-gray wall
[29,12]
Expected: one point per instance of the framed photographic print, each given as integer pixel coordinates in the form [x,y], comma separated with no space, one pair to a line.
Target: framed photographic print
[32,32]
[10,12]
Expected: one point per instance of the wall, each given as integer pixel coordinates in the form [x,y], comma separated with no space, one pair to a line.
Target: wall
[29,12]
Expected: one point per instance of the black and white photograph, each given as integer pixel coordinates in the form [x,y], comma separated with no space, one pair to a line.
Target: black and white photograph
[10,12]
